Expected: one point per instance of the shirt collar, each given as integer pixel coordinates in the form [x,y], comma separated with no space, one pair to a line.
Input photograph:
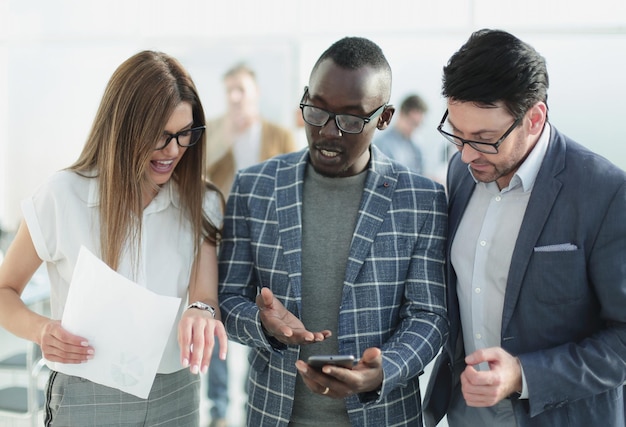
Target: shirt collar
[527,172]
[164,197]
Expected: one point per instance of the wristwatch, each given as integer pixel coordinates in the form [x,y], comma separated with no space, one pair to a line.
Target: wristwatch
[202,306]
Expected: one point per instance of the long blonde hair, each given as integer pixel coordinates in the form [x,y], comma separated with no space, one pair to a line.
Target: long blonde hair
[137,103]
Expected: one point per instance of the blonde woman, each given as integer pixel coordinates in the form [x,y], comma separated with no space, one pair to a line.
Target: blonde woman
[136,196]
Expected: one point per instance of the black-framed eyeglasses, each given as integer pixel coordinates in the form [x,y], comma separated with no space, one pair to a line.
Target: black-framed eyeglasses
[184,138]
[347,123]
[483,147]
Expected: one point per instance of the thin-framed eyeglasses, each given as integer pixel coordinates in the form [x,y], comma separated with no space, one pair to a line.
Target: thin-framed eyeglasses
[483,147]
[347,123]
[184,138]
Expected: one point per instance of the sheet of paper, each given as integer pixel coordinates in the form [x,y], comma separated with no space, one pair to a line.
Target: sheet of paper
[127,325]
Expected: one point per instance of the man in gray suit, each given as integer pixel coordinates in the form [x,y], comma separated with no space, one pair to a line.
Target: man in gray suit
[537,244]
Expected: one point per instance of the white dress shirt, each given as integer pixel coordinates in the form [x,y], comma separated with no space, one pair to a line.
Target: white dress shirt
[483,246]
[63,214]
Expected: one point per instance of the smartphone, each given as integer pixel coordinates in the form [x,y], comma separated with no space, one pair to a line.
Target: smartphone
[335,359]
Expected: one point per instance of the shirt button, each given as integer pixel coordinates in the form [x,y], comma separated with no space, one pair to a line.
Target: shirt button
[478,336]
[477,290]
[498,198]
[483,243]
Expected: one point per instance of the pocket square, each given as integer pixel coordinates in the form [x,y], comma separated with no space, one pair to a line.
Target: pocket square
[561,247]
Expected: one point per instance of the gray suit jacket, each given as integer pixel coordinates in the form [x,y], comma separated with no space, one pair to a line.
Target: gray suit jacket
[564,311]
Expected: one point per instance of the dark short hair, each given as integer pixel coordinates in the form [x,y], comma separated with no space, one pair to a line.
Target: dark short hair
[354,53]
[357,52]
[413,103]
[493,66]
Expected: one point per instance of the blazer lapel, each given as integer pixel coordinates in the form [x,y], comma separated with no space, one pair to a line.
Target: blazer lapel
[461,185]
[289,185]
[543,196]
[459,197]
[379,187]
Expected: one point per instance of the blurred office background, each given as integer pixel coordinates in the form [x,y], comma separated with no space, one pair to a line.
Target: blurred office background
[56,57]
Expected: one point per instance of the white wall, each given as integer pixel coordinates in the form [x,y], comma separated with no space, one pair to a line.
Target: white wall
[56,58]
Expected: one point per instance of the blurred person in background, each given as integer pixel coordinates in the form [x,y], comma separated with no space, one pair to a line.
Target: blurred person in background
[398,141]
[236,140]
[241,137]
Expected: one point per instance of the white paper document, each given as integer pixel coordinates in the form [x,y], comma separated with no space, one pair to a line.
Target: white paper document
[127,325]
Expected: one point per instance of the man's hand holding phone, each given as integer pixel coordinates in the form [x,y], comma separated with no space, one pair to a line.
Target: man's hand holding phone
[338,377]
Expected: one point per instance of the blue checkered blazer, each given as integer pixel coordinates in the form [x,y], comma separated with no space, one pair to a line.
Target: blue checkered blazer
[394,291]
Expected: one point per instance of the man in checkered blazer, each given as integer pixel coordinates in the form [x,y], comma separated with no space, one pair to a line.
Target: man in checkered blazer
[336,249]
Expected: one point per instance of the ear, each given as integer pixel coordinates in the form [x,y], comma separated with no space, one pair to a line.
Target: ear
[385,118]
[537,114]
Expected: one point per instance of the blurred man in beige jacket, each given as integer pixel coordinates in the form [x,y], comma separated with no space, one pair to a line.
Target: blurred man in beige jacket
[241,137]
[237,139]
